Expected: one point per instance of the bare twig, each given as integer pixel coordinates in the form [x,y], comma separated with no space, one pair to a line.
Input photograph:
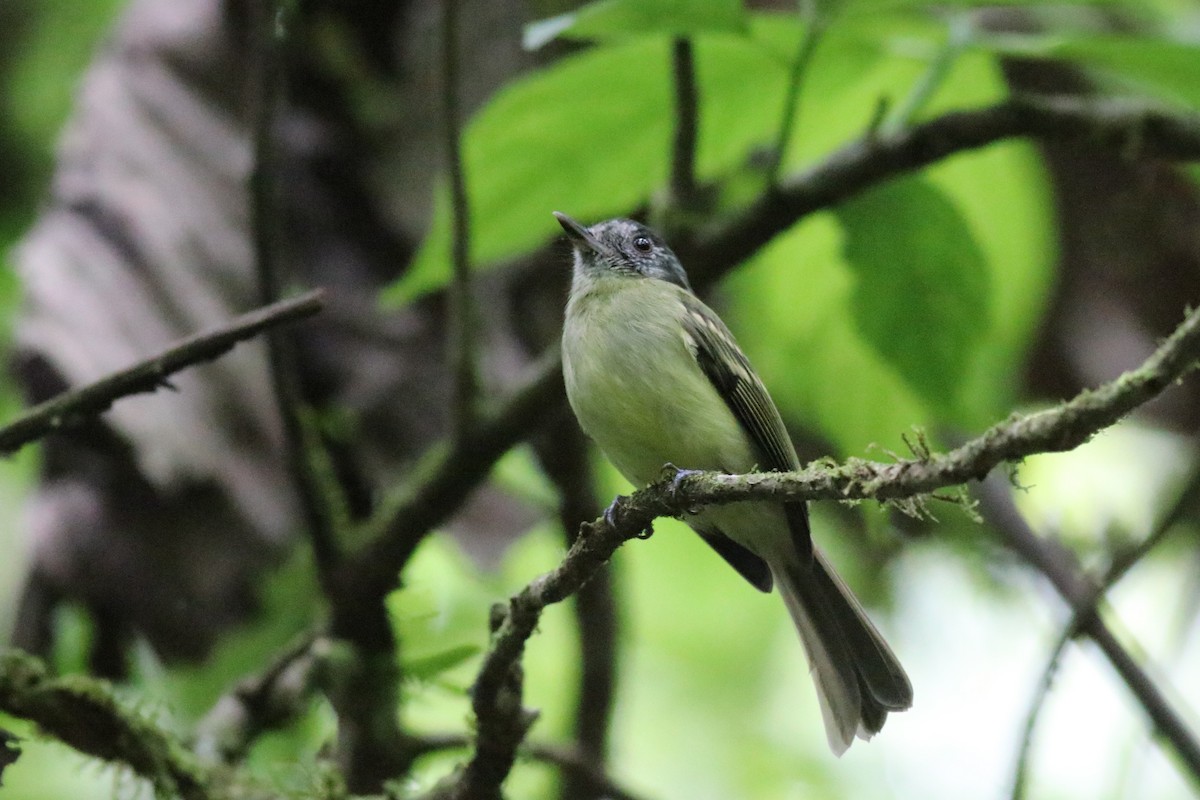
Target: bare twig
[260,703]
[569,761]
[1059,429]
[683,154]
[562,451]
[78,405]
[462,313]
[1120,566]
[83,713]
[501,722]
[1061,568]
[310,490]
[447,481]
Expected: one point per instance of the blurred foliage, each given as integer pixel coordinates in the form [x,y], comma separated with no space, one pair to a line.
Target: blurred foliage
[909,306]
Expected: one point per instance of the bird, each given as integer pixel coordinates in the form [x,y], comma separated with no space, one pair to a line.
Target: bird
[656,379]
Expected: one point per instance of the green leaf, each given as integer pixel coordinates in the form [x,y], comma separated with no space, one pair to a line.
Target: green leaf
[591,136]
[872,6]
[920,298]
[792,305]
[428,667]
[587,136]
[609,19]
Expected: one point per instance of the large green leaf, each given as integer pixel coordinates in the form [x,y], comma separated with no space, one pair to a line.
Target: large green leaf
[606,19]
[920,294]
[793,307]
[587,136]
[591,137]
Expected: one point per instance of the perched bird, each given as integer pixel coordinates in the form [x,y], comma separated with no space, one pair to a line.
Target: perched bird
[656,378]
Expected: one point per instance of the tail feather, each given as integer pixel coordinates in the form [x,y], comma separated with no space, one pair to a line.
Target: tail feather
[858,678]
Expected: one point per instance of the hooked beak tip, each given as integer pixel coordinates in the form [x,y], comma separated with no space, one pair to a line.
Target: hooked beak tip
[575,232]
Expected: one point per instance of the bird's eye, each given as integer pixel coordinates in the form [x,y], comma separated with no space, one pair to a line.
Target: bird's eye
[643,243]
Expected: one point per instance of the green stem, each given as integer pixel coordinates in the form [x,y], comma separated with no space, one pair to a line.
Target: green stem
[960,32]
[814,26]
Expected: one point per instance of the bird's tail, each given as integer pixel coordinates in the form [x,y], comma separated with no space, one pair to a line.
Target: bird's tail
[858,678]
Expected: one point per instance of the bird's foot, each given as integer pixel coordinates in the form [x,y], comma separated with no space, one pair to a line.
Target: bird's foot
[610,513]
[677,475]
[610,517]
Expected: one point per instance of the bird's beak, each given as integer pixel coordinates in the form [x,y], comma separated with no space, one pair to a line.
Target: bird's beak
[579,235]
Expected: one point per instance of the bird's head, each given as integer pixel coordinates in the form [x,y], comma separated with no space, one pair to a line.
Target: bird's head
[623,248]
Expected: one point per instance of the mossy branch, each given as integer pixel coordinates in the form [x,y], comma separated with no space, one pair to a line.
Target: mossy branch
[84,713]
[501,719]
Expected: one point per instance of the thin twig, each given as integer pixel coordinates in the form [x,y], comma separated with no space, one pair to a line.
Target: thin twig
[309,489]
[497,708]
[563,453]
[1054,430]
[76,406]
[1120,566]
[1061,568]
[462,343]
[448,479]
[683,153]
[569,761]
[260,703]
[814,26]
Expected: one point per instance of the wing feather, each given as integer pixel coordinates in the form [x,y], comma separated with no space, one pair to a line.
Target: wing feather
[729,371]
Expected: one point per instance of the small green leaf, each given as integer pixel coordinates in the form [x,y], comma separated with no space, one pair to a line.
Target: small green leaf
[921,298]
[609,19]
[428,667]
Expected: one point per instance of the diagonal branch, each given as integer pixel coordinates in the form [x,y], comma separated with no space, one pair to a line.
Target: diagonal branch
[1061,568]
[1122,563]
[71,408]
[1134,130]
[1055,430]
[445,483]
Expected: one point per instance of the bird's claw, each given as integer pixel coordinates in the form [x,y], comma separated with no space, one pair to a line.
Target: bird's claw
[610,517]
[610,513]
[678,475]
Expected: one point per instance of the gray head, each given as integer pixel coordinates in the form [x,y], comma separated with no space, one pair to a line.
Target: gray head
[622,247]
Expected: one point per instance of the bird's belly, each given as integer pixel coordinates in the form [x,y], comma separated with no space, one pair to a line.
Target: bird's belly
[643,415]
